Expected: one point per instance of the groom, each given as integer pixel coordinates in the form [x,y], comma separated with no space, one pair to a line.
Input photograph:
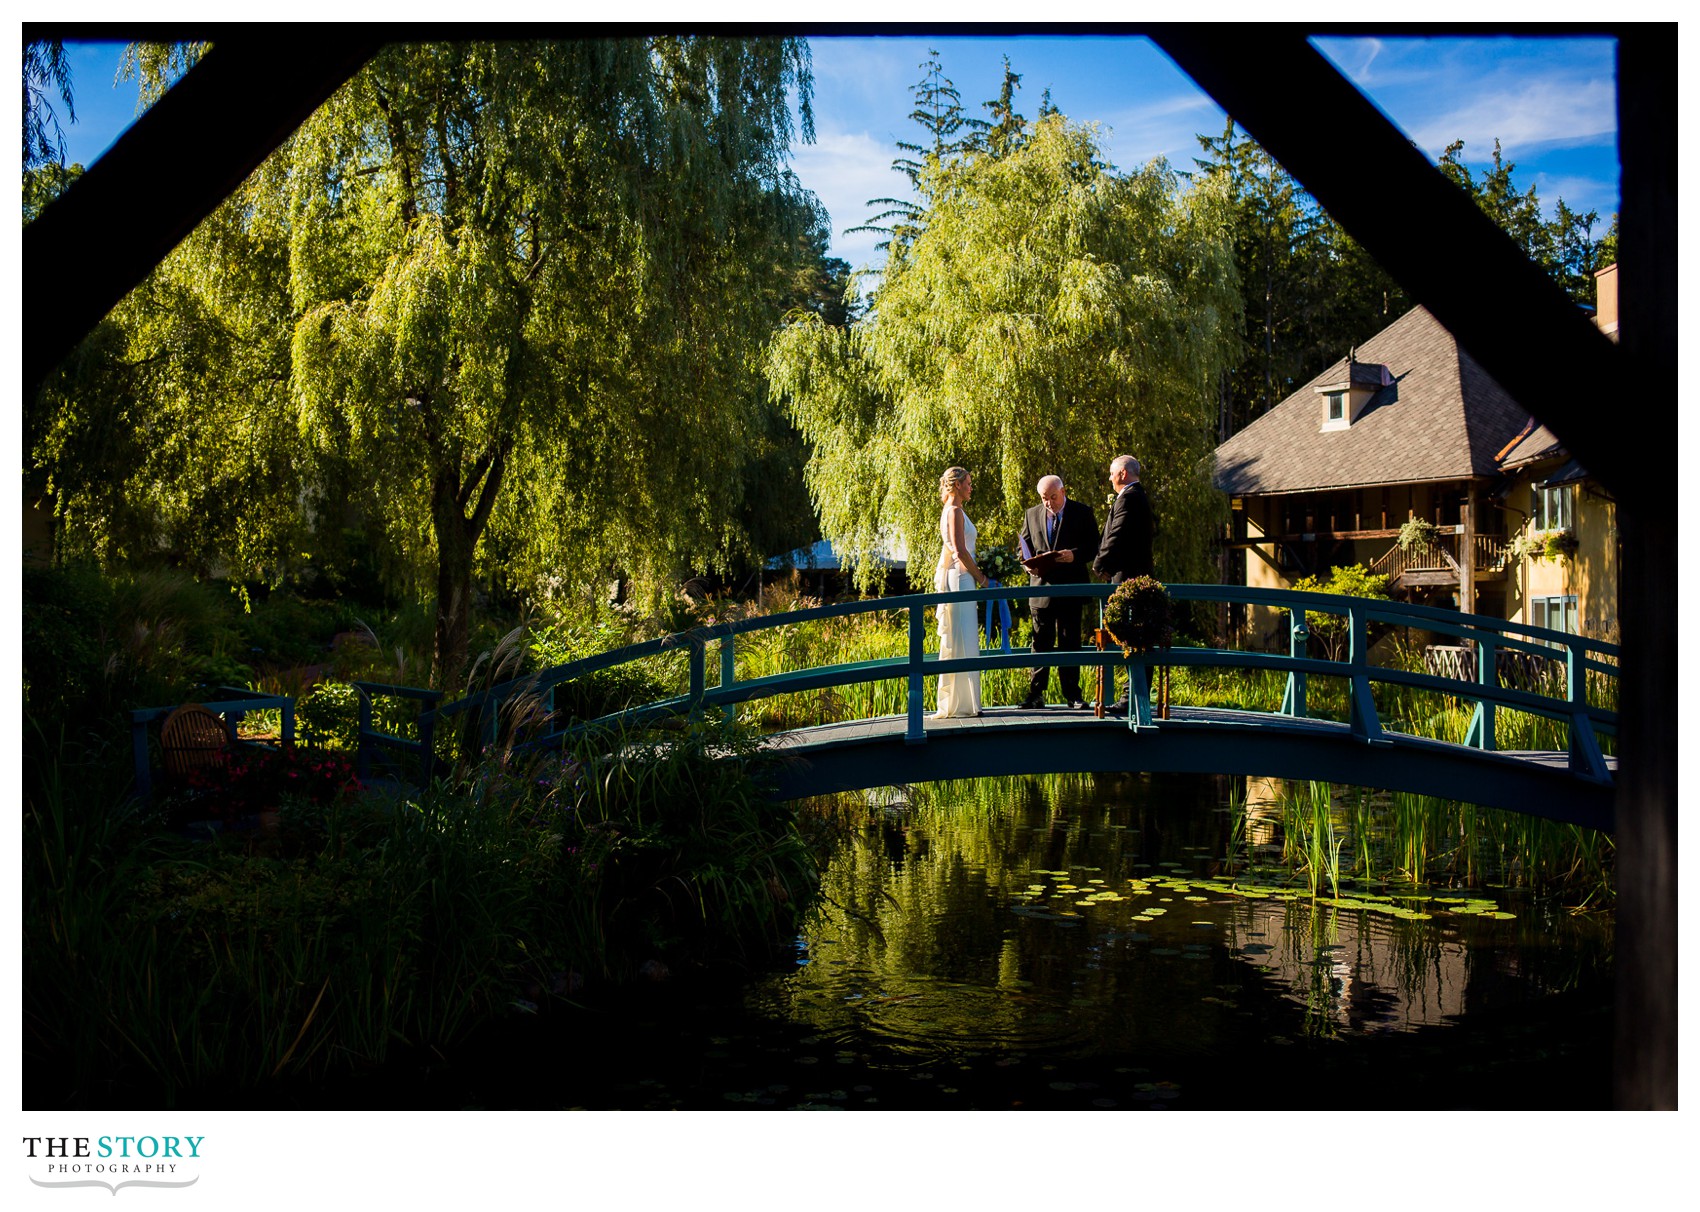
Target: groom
[1069,529]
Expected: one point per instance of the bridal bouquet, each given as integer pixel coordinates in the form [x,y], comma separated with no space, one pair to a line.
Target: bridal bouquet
[1000,564]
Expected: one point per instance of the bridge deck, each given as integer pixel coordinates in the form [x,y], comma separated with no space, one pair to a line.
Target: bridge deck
[1014,740]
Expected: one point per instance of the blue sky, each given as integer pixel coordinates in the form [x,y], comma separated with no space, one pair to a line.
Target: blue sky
[1551,102]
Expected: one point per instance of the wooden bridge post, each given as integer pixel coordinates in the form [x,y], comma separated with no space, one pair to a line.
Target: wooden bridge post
[1482,722]
[914,733]
[1298,642]
[428,744]
[699,674]
[1366,724]
[1138,693]
[1585,756]
[728,674]
[362,756]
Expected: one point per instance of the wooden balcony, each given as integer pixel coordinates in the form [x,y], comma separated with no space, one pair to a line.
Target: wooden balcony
[1438,563]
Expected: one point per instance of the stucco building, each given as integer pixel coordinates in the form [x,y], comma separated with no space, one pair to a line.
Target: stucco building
[1409,426]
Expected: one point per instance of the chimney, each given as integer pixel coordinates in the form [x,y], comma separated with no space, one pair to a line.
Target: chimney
[1605,300]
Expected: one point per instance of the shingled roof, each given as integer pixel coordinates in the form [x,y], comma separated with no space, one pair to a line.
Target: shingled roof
[1442,418]
[1537,442]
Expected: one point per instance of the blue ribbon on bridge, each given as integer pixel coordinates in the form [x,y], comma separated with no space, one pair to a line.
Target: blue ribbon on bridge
[999,618]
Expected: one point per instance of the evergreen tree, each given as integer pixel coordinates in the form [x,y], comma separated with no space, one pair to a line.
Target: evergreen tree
[1307,286]
[1002,133]
[1564,246]
[938,112]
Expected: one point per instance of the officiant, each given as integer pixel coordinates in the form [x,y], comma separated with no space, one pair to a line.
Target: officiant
[1058,540]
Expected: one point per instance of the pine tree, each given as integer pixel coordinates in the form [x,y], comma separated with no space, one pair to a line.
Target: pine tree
[1004,132]
[938,112]
[1307,287]
[1564,246]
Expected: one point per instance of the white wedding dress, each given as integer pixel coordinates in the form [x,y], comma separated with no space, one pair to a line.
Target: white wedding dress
[959,625]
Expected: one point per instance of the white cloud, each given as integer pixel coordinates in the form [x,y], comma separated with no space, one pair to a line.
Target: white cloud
[1168,128]
[844,170]
[1543,113]
[1370,48]
[1580,194]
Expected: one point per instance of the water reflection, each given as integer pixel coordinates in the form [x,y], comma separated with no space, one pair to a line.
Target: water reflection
[1100,916]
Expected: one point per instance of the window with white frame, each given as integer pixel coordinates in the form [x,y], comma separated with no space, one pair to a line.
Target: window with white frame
[1336,406]
[1556,613]
[1551,508]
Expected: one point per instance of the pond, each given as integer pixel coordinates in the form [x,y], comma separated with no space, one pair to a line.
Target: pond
[1102,942]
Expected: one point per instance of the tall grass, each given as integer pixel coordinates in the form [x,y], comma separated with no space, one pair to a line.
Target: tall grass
[1310,841]
[159,971]
[1404,837]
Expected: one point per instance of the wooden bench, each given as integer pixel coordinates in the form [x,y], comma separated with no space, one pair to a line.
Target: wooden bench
[193,738]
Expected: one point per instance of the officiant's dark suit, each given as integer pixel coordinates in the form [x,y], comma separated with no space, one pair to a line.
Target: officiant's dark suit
[1056,621]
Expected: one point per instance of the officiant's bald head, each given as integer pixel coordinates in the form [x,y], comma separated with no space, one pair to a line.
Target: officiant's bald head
[1051,493]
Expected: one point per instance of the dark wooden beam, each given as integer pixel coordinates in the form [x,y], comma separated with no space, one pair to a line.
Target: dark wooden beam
[1522,329]
[1425,231]
[182,157]
[1646,964]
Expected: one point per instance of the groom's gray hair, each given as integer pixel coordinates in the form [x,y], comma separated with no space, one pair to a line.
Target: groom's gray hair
[1129,462]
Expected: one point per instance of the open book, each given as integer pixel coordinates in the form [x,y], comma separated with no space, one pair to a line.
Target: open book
[1037,563]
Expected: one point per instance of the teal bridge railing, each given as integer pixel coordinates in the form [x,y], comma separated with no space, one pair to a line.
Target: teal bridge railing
[1573,784]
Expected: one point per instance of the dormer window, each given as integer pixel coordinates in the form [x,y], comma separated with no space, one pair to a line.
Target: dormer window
[1346,396]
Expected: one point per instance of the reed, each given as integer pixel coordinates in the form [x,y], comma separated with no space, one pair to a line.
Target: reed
[159,970]
[1311,842]
[1237,826]
[1420,839]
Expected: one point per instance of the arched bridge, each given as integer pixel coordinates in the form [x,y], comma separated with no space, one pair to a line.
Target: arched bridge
[1375,738]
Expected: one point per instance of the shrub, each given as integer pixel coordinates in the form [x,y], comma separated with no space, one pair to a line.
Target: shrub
[1330,632]
[600,693]
[257,779]
[1139,613]
[283,629]
[330,715]
[95,646]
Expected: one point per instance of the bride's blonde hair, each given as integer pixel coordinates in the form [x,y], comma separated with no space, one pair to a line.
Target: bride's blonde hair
[950,479]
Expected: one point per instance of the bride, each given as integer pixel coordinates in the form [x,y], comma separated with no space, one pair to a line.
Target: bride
[959,624]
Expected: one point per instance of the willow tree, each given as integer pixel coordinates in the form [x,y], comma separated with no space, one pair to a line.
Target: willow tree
[509,300]
[1051,314]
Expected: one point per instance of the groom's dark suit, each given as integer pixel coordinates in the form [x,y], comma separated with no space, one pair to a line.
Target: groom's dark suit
[1126,547]
[1056,621]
